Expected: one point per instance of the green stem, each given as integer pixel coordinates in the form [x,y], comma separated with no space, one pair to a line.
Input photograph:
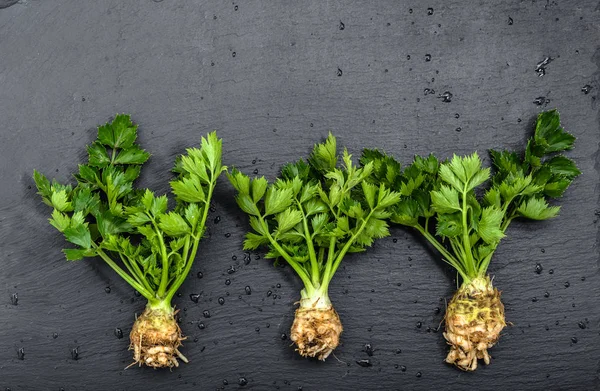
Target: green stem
[469,262]
[345,249]
[164,278]
[138,287]
[314,265]
[297,268]
[330,257]
[445,254]
[135,271]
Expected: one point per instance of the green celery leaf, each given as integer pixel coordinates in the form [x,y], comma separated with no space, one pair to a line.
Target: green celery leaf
[449,225]
[277,200]
[173,224]
[132,155]
[98,156]
[247,205]
[287,220]
[60,221]
[239,181]
[561,165]
[324,156]
[445,200]
[489,225]
[120,133]
[254,241]
[549,133]
[43,185]
[189,189]
[537,209]
[60,201]
[109,224]
[259,187]
[76,254]
[79,235]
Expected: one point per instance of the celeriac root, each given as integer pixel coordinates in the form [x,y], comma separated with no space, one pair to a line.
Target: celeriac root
[316,330]
[474,320]
[155,339]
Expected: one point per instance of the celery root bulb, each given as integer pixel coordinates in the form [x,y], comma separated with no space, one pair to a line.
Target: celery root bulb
[316,329]
[156,337]
[474,320]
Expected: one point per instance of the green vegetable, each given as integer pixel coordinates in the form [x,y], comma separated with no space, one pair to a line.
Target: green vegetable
[131,229]
[311,217]
[442,202]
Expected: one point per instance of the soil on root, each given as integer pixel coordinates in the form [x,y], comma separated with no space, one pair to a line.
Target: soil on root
[316,331]
[155,339]
[474,320]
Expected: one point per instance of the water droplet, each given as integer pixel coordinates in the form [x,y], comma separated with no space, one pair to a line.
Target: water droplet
[446,97]
[456,115]
[540,68]
[582,325]
[546,294]
[257,329]
[410,10]
[194,297]
[364,363]
[118,333]
[201,326]
[231,269]
[551,271]
[235,8]
[107,289]
[429,11]
[199,274]
[395,240]
[283,336]
[428,57]
[233,54]
[206,313]
[221,300]
[403,368]
[342,25]
[398,351]
[217,219]
[419,374]
[567,284]
[242,381]
[369,349]
[534,299]
[574,339]
[510,21]
[75,353]
[227,281]
[21,354]
[278,286]
[458,129]
[586,89]
[247,258]
[14,299]
[437,310]
[248,290]
[269,293]
[419,325]
[538,268]
[225,382]
[540,100]
[339,72]
[54,335]
[408,56]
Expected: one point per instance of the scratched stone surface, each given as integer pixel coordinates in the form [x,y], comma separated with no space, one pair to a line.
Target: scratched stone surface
[273,78]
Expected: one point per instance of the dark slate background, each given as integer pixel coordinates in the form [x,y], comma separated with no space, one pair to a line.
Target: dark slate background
[272,79]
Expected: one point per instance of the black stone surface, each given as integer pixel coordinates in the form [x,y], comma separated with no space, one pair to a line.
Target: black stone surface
[272,78]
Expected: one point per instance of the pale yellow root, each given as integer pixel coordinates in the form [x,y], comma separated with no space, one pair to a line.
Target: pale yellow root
[316,331]
[155,339]
[474,320]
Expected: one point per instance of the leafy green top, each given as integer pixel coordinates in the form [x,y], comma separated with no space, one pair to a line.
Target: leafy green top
[315,213]
[104,215]
[445,194]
